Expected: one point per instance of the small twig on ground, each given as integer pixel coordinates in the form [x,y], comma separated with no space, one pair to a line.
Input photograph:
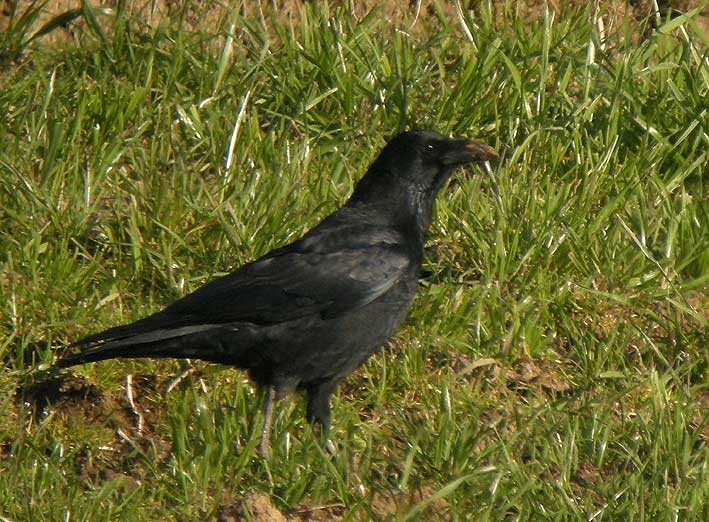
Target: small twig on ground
[177,380]
[131,402]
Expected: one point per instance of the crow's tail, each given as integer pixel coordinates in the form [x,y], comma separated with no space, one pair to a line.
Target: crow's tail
[106,351]
[185,342]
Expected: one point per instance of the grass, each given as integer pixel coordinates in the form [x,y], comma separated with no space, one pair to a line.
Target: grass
[554,365]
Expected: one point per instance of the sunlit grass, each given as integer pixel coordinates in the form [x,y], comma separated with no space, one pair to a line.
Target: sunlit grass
[554,365]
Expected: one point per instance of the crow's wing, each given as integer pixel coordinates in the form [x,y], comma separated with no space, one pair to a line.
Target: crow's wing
[296,284]
[326,274]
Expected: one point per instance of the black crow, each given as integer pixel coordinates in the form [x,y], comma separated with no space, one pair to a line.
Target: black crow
[305,315]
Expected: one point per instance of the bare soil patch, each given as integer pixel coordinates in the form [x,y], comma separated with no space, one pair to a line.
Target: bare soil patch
[75,400]
[257,507]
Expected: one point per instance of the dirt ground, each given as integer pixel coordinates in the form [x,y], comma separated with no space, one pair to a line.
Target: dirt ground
[205,15]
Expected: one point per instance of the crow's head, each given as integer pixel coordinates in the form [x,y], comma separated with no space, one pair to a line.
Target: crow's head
[412,168]
[423,160]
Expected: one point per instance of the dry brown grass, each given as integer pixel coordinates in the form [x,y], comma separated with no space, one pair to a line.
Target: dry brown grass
[202,15]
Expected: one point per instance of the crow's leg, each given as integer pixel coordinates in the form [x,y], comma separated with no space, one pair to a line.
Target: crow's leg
[265,445]
[318,410]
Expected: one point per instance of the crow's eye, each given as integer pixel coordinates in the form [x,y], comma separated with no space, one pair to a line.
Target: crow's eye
[430,148]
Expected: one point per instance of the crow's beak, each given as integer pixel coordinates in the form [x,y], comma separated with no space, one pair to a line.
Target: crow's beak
[467,151]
